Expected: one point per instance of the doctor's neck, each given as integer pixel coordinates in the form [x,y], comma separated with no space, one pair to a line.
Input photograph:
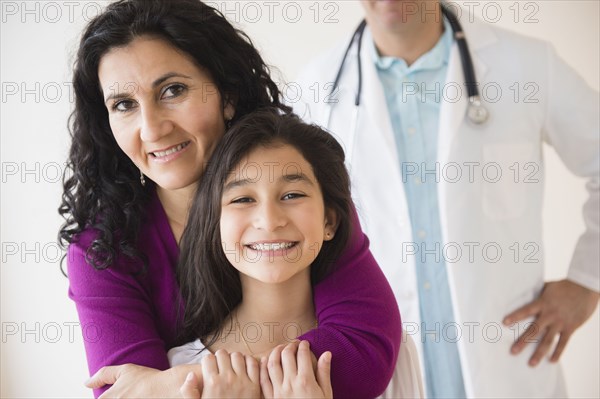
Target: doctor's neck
[408,36]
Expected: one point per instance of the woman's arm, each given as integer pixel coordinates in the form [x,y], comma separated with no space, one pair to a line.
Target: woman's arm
[117,318]
[359,322]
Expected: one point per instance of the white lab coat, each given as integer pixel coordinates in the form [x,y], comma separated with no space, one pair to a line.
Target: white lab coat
[478,215]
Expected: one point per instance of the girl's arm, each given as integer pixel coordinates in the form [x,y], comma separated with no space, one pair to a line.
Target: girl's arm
[359,322]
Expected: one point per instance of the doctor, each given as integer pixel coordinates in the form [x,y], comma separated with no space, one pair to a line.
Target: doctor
[448,181]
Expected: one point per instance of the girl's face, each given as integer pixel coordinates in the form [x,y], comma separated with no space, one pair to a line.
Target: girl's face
[166,113]
[273,219]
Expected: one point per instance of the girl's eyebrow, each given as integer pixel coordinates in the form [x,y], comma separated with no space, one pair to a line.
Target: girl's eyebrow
[293,177]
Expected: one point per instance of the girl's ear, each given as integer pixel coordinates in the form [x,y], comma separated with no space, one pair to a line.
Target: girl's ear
[331,224]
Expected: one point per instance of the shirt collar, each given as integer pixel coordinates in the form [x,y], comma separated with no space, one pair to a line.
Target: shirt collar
[435,58]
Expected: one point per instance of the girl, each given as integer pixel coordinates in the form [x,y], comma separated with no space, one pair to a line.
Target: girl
[268,222]
[156,83]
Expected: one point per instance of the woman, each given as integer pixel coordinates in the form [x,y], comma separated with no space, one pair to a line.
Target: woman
[156,84]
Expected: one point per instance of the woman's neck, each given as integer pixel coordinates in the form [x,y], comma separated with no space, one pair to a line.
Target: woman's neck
[176,204]
[269,315]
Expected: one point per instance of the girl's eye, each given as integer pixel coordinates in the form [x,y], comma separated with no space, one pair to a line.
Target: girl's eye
[242,200]
[290,196]
[123,106]
[175,90]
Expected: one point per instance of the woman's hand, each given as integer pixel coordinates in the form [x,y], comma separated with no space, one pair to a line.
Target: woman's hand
[132,381]
[289,373]
[228,376]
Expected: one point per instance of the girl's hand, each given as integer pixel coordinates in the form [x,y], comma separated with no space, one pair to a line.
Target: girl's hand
[190,389]
[230,376]
[289,373]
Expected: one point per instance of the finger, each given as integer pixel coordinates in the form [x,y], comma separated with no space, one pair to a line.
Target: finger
[238,363]
[562,343]
[288,360]
[105,376]
[252,369]
[223,361]
[209,366]
[324,374]
[305,366]
[265,382]
[189,389]
[274,365]
[543,347]
[530,335]
[531,309]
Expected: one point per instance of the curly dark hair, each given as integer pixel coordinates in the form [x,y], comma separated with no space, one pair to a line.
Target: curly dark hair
[101,184]
[209,284]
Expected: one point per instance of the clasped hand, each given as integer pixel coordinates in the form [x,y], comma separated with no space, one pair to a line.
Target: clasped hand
[288,372]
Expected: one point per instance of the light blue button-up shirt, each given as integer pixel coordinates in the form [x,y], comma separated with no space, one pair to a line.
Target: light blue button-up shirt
[413,95]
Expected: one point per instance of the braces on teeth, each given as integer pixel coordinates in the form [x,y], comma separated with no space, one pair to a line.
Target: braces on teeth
[271,247]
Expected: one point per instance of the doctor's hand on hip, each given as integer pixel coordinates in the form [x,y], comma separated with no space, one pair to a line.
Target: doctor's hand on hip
[561,308]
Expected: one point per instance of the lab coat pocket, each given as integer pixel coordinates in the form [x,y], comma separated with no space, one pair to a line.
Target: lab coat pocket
[507,171]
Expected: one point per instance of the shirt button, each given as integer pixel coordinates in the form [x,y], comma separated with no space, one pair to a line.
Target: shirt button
[412,130]
[417,181]
[421,234]
[427,286]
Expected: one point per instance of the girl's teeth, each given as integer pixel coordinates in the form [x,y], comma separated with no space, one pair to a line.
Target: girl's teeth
[271,247]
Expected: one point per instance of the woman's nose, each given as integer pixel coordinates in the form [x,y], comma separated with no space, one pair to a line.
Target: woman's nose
[270,217]
[155,124]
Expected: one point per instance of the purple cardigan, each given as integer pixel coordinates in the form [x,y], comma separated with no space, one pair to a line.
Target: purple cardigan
[128,318]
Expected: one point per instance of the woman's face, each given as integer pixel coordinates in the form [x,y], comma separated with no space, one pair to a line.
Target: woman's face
[273,220]
[166,113]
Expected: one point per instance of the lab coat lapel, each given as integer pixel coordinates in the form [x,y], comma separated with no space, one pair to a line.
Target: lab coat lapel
[375,105]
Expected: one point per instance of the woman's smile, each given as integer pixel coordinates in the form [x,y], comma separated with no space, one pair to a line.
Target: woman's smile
[170,153]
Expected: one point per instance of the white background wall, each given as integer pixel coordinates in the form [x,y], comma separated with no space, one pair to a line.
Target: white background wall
[41,348]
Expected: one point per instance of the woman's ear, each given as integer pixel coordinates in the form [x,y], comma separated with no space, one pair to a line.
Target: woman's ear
[331,224]
[229,110]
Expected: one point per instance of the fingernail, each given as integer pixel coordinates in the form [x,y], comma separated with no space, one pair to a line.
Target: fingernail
[507,321]
[328,356]
[189,377]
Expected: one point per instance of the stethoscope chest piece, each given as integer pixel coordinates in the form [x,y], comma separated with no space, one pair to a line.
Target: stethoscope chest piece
[477,113]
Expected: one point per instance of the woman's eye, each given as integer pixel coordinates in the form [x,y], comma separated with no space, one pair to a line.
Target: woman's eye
[173,91]
[123,106]
[290,196]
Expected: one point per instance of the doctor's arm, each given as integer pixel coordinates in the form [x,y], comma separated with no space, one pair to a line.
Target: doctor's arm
[572,128]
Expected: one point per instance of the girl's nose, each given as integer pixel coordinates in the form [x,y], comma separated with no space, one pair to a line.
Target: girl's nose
[270,217]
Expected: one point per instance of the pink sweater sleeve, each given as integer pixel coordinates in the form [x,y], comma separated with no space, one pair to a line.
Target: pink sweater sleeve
[359,322]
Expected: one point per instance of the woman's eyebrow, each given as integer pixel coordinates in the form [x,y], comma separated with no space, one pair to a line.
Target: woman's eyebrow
[119,96]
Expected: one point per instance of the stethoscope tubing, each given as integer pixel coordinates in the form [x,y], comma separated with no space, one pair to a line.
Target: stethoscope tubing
[476,113]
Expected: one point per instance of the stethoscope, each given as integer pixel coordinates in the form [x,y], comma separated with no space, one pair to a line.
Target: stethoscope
[477,113]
